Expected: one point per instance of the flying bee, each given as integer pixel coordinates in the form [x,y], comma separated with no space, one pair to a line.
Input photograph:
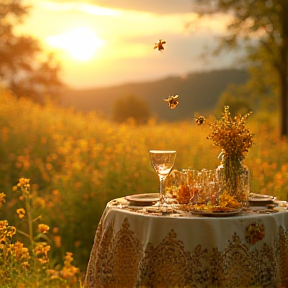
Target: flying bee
[159,45]
[172,101]
[199,120]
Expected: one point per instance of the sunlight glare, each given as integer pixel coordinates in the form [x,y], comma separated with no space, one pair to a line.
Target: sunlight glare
[81,43]
[82,7]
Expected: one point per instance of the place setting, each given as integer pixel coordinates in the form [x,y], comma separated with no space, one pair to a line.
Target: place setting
[220,192]
[145,199]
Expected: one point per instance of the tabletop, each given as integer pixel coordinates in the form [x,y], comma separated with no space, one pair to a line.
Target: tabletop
[142,246]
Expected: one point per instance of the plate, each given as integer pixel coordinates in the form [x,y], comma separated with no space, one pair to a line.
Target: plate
[217,213]
[143,199]
[260,196]
[261,200]
[258,199]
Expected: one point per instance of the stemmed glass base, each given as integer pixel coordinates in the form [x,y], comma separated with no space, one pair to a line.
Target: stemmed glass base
[162,161]
[162,190]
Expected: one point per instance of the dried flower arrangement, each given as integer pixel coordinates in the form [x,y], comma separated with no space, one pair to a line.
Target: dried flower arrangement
[234,138]
[231,135]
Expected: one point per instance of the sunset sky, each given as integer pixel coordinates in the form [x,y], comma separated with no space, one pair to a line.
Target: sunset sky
[109,42]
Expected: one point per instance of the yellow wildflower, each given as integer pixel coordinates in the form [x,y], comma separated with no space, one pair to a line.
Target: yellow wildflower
[231,135]
[23,184]
[57,240]
[21,253]
[23,181]
[69,271]
[41,252]
[2,200]
[21,213]
[2,196]
[6,231]
[226,200]
[42,228]
[55,230]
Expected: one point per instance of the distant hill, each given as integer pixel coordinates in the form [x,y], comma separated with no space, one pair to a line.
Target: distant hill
[198,92]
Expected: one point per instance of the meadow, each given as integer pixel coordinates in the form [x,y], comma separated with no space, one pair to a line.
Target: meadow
[77,162]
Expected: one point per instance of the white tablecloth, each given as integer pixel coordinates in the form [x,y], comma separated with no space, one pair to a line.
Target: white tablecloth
[135,248]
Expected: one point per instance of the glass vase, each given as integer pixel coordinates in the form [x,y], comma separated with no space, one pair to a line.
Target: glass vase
[234,180]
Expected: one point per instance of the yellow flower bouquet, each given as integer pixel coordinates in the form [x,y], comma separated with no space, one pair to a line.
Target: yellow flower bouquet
[234,138]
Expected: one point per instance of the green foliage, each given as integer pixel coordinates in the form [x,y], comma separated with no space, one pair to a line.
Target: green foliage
[263,86]
[21,69]
[260,93]
[236,97]
[131,107]
[262,28]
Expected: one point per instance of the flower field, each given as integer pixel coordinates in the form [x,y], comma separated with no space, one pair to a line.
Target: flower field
[77,162]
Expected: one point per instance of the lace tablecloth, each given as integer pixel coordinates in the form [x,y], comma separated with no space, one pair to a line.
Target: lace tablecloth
[138,247]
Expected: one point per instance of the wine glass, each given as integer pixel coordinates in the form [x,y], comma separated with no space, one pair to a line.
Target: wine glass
[162,161]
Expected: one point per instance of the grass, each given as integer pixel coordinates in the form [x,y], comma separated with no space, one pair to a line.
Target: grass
[76,163]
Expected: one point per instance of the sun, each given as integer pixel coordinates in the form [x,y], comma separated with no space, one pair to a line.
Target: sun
[81,43]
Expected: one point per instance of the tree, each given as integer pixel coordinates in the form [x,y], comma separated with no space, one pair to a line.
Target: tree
[234,97]
[261,26]
[24,68]
[130,106]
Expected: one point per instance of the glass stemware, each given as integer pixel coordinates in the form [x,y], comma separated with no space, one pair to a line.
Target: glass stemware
[162,161]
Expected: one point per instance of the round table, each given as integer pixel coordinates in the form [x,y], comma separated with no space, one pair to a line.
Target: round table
[139,247]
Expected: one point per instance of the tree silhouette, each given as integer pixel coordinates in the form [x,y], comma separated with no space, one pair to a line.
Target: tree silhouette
[262,28]
[130,107]
[24,68]
[235,97]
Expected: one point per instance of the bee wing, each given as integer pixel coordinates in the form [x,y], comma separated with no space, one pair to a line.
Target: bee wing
[167,99]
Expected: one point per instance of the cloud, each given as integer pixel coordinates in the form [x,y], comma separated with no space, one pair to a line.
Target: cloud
[139,21]
[126,21]
[81,7]
[159,6]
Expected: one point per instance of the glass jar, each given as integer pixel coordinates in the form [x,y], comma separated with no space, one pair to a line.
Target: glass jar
[234,181]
